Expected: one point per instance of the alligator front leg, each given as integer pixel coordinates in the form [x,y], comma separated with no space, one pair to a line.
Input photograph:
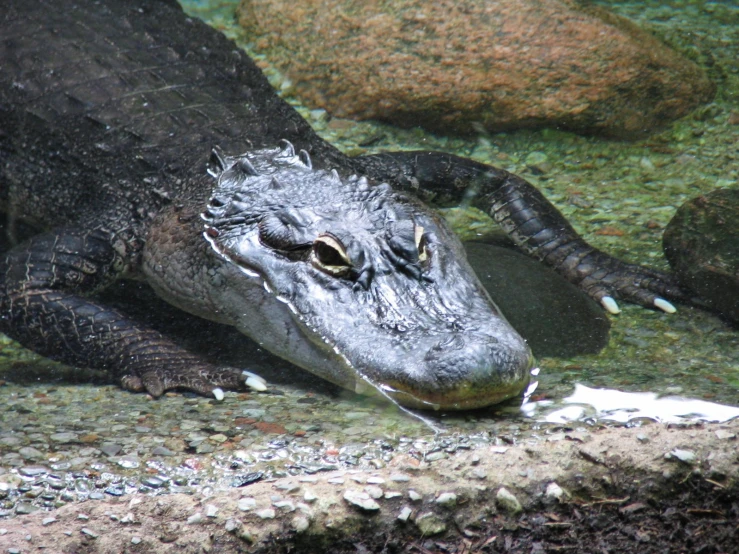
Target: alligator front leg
[530,220]
[44,289]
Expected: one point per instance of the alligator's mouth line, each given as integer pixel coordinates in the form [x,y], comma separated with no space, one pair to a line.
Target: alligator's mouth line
[382,389]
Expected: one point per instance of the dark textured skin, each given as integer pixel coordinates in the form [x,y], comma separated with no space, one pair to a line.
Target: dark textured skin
[108,113]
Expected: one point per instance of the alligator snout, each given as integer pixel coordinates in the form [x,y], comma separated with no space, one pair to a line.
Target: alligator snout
[463,371]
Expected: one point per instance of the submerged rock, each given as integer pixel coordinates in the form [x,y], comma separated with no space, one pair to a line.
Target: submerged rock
[456,65]
[702,245]
[554,316]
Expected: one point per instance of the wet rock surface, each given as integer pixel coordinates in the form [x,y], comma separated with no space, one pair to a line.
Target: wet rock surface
[554,316]
[459,66]
[702,244]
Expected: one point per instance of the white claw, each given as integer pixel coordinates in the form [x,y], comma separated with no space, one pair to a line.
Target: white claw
[610,305]
[254,381]
[664,305]
[218,394]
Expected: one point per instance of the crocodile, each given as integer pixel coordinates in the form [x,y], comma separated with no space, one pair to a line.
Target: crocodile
[142,144]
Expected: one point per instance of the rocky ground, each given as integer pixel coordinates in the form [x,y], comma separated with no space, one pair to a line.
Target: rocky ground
[641,490]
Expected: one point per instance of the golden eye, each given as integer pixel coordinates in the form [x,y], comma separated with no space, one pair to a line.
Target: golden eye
[330,255]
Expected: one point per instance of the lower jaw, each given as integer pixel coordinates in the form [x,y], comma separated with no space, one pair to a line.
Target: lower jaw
[453,401]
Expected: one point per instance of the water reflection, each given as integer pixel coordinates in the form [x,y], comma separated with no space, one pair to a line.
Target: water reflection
[615,405]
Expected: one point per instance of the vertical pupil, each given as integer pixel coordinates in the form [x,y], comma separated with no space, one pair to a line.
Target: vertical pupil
[328,254]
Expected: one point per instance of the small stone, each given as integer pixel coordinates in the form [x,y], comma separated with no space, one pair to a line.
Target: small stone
[24,508]
[474,459]
[288,487]
[430,524]
[136,539]
[641,437]
[393,494]
[447,499]
[400,477]
[336,481]
[110,449]
[508,501]
[300,523]
[374,492]
[554,492]
[479,473]
[220,438]
[195,518]
[63,438]
[434,456]
[685,456]
[48,521]
[83,517]
[267,513]
[414,496]
[33,471]
[232,525]
[246,504]
[211,511]
[361,500]
[161,451]
[723,434]
[375,481]
[284,505]
[89,532]
[404,514]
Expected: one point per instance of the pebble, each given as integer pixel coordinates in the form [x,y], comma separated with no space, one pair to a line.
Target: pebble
[246,504]
[211,511]
[554,491]
[375,481]
[267,513]
[393,494]
[33,471]
[404,514]
[48,521]
[685,456]
[89,532]
[447,499]
[136,540]
[430,524]
[300,523]
[361,500]
[63,438]
[232,525]
[374,491]
[195,518]
[162,451]
[110,449]
[723,434]
[310,496]
[399,477]
[508,502]
[414,496]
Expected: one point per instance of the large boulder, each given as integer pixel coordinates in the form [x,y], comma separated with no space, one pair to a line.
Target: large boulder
[456,65]
[702,245]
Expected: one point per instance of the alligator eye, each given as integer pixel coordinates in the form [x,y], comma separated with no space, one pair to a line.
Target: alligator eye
[421,244]
[329,255]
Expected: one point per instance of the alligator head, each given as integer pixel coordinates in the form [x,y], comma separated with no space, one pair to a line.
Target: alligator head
[356,283]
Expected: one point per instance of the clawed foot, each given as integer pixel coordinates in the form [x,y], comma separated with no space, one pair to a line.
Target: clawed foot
[605,279]
[207,382]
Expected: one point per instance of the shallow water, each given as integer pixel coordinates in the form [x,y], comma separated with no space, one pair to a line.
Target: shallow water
[112,441]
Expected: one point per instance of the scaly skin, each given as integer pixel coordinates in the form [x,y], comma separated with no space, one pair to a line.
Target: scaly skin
[108,114]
